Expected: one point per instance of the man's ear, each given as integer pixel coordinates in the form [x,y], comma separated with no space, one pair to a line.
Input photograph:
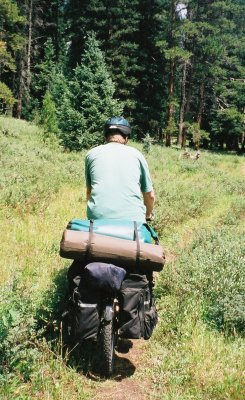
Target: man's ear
[126,140]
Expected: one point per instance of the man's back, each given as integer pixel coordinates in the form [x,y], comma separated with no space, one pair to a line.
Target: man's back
[116,174]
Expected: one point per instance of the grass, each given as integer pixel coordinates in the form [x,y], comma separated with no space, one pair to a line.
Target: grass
[202,365]
[197,351]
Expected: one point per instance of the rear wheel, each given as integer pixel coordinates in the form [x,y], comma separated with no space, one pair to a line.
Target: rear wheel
[108,341]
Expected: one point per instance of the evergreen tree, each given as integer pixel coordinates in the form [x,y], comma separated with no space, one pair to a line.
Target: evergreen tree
[10,39]
[6,98]
[83,16]
[151,92]
[48,114]
[117,27]
[42,21]
[171,42]
[174,64]
[228,128]
[11,43]
[45,71]
[122,51]
[90,100]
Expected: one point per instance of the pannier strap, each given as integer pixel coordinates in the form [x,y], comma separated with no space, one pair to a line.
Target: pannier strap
[89,238]
[153,233]
[136,237]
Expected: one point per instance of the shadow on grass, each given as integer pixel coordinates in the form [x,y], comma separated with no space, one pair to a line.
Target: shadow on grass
[48,316]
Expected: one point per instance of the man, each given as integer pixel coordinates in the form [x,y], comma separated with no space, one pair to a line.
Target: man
[117,176]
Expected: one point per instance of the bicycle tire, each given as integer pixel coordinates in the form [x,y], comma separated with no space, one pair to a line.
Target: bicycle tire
[108,341]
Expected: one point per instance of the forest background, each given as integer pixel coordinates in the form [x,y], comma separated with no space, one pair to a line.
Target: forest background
[174,69]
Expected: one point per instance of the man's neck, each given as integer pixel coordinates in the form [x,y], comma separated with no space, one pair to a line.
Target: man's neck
[116,139]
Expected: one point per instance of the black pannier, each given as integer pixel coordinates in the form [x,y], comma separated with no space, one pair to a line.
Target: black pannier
[81,318]
[88,286]
[138,315]
[150,319]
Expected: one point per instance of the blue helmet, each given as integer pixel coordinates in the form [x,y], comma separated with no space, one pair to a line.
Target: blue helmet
[119,124]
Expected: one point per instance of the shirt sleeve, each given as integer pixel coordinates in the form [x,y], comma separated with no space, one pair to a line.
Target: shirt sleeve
[145,179]
[87,172]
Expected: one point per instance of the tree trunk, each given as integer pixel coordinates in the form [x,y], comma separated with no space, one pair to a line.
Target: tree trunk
[170,114]
[160,134]
[189,87]
[182,103]
[184,134]
[170,111]
[243,134]
[29,48]
[201,105]
[20,90]
[243,143]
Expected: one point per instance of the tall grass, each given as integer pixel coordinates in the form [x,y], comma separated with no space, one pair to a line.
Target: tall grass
[41,188]
[197,351]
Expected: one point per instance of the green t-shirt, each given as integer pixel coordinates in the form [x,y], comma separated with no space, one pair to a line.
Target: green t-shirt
[117,174]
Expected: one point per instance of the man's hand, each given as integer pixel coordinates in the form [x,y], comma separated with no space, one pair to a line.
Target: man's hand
[150,217]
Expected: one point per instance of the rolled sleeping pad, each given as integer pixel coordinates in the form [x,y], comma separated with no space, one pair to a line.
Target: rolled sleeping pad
[91,247]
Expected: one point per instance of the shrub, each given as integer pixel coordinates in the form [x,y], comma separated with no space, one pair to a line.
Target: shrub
[6,98]
[209,280]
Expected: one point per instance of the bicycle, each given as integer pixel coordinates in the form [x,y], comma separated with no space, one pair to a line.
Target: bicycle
[115,320]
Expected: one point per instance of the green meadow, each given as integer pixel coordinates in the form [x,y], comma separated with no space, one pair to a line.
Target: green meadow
[198,348]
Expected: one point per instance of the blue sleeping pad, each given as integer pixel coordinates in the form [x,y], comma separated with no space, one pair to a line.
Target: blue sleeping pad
[123,229]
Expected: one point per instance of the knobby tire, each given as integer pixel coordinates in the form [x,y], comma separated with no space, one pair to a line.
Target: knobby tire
[108,348]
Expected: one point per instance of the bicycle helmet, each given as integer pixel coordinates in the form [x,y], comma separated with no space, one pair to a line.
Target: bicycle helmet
[117,123]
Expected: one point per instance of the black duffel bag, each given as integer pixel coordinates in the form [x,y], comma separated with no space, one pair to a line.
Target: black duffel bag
[105,277]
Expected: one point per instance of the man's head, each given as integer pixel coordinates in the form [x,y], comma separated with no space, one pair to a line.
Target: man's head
[117,129]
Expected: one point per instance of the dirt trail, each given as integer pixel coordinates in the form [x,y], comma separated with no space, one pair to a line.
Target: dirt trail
[129,382]
[124,385]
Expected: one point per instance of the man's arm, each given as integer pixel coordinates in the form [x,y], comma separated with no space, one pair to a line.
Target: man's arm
[149,200]
[88,193]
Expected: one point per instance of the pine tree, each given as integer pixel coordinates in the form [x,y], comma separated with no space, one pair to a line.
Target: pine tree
[11,43]
[151,92]
[10,39]
[82,17]
[6,98]
[171,43]
[48,114]
[45,70]
[228,127]
[90,101]
[122,51]
[117,27]
[217,62]
[42,22]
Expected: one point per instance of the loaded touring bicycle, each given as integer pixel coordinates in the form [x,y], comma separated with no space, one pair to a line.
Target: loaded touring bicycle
[110,284]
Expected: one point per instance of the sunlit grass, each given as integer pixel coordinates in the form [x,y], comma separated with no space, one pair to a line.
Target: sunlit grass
[201,365]
[42,188]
